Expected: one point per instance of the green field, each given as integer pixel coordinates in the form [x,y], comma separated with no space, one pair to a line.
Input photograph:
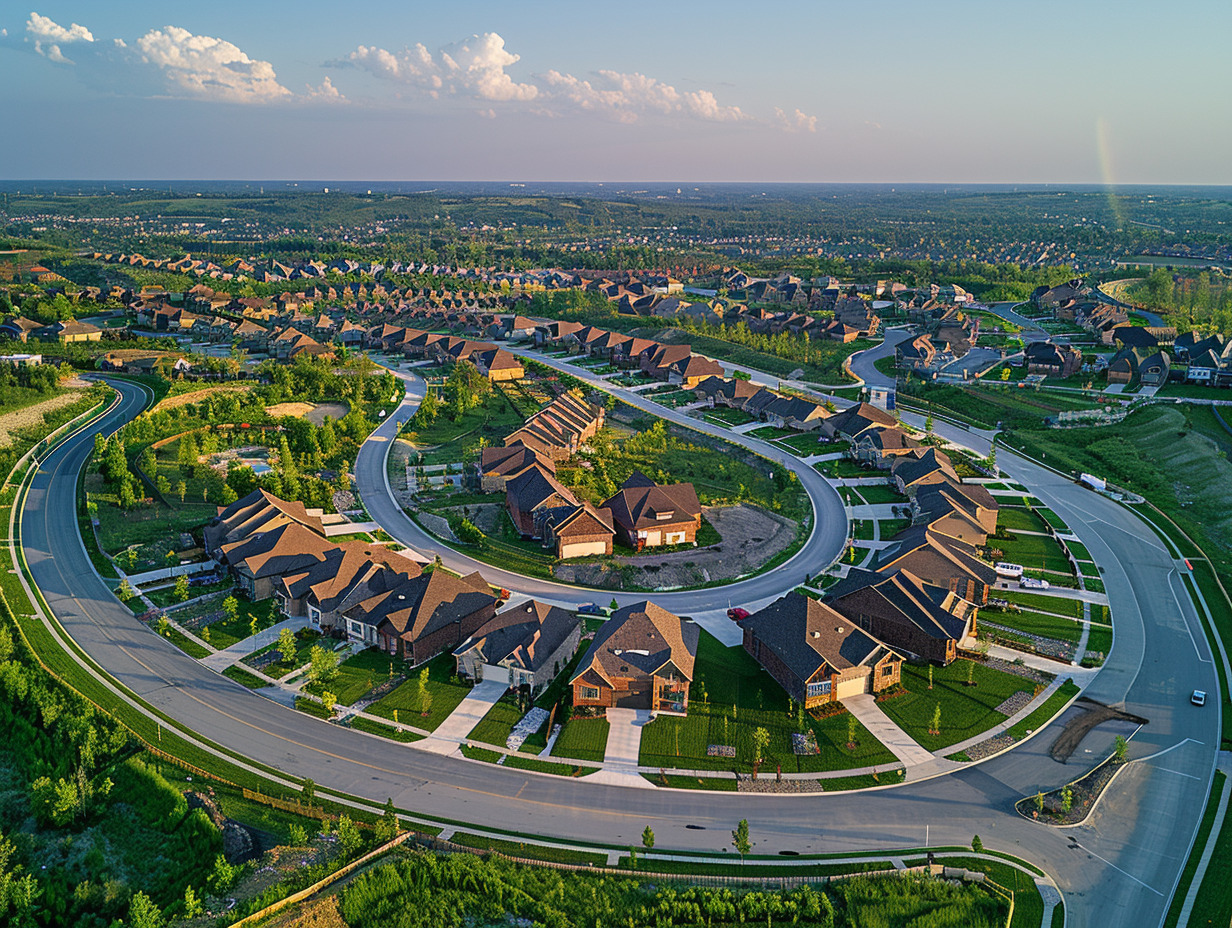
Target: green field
[448,441]
[1035,552]
[729,415]
[880,494]
[226,632]
[966,711]
[731,678]
[804,444]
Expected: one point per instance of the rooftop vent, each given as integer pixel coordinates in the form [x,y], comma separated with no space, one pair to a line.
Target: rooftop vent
[815,634]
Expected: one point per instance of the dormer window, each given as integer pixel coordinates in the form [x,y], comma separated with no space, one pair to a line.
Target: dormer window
[664,516]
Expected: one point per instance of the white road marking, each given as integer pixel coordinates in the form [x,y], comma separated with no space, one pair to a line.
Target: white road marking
[1185,621]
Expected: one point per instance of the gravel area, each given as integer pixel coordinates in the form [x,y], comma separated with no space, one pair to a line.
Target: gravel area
[989,747]
[765,783]
[1015,703]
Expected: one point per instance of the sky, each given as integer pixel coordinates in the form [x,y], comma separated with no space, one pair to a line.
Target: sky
[952,91]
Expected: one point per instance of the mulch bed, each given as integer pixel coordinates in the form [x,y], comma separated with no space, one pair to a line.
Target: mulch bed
[1085,791]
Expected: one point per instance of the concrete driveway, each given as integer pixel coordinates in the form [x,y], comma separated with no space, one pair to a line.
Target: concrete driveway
[624,743]
[451,732]
[864,707]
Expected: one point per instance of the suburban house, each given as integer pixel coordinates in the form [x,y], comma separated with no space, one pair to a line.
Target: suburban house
[1052,360]
[349,573]
[817,655]
[19,327]
[938,559]
[260,560]
[420,617]
[881,447]
[919,619]
[497,466]
[560,428]
[965,511]
[855,420]
[528,645]
[642,658]
[1150,368]
[647,515]
[69,331]
[578,531]
[259,511]
[531,495]
[919,467]
[497,364]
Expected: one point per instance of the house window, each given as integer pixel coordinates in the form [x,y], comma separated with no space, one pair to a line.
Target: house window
[818,689]
[589,692]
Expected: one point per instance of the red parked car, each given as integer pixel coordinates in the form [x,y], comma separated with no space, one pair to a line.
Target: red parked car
[737,614]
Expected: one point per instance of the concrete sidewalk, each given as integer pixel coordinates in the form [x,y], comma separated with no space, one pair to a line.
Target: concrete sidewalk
[864,707]
[453,731]
[221,660]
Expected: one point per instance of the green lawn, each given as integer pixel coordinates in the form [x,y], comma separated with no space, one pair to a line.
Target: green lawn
[494,727]
[226,632]
[1100,639]
[804,443]
[185,644]
[385,731]
[271,663]
[582,739]
[1036,624]
[731,678]
[1054,520]
[1079,550]
[1052,705]
[1043,602]
[675,781]
[880,494]
[729,415]
[358,674]
[1020,520]
[1036,552]
[965,710]
[446,440]
[771,432]
[405,700]
[241,676]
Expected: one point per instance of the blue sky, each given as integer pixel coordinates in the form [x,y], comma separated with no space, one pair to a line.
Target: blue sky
[881,90]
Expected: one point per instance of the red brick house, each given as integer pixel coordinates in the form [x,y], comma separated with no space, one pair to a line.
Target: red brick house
[646,515]
[817,655]
[642,658]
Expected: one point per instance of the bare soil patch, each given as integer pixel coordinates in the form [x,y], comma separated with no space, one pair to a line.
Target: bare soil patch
[751,536]
[313,412]
[18,419]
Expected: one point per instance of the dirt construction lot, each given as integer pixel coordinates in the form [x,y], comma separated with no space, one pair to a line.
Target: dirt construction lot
[751,536]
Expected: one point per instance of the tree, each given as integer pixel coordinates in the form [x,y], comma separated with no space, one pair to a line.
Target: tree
[1067,800]
[1039,801]
[740,839]
[977,845]
[1121,751]
[181,489]
[851,730]
[648,838]
[934,727]
[761,739]
[387,826]
[181,588]
[328,700]
[348,835]
[126,591]
[231,608]
[928,422]
[310,790]
[323,664]
[930,676]
[286,645]
[192,905]
[143,913]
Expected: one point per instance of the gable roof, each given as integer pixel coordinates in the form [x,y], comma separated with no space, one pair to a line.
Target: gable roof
[640,640]
[933,556]
[809,636]
[259,511]
[526,635]
[934,610]
[641,501]
[423,604]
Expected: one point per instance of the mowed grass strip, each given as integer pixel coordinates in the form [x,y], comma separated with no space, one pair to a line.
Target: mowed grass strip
[1017,519]
[966,711]
[1038,552]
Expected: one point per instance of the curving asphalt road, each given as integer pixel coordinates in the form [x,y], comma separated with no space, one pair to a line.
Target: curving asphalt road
[824,545]
[1117,870]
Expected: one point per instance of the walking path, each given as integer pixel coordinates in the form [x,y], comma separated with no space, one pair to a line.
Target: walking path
[864,707]
[221,660]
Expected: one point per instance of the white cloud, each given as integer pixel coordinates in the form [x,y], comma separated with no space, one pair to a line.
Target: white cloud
[49,35]
[473,67]
[210,68]
[326,93]
[795,122]
[625,96]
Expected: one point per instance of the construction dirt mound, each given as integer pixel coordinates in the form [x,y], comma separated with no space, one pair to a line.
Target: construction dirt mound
[1093,714]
